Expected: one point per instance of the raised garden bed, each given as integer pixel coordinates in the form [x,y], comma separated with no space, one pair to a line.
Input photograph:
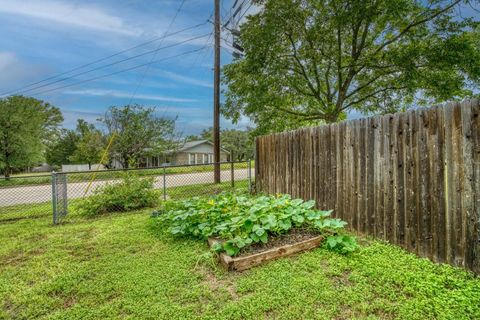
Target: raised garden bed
[281,246]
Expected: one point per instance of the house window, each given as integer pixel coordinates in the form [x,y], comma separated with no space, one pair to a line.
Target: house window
[205,158]
[210,158]
[192,158]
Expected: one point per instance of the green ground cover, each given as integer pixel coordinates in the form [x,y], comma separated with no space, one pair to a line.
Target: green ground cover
[120,266]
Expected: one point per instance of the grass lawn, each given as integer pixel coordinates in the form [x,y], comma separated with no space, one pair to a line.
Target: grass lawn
[120,266]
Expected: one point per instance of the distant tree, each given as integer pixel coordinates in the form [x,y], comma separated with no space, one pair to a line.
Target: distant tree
[313,61]
[90,145]
[192,137]
[26,125]
[138,132]
[62,147]
[238,142]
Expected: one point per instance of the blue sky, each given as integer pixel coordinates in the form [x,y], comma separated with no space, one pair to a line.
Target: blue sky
[41,38]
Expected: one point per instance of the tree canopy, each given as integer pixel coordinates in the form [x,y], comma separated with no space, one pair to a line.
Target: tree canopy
[90,146]
[61,148]
[85,144]
[26,124]
[311,61]
[138,132]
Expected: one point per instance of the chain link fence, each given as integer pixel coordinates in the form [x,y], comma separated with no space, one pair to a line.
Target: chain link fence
[57,194]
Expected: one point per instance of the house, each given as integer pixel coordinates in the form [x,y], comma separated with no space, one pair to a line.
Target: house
[45,167]
[192,152]
[82,167]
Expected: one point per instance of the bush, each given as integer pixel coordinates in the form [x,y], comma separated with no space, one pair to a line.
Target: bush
[242,220]
[130,193]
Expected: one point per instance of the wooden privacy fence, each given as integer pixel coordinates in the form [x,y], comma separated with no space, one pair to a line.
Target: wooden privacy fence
[410,178]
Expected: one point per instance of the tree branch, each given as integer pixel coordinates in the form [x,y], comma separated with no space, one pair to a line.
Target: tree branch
[414,24]
[372,95]
[301,114]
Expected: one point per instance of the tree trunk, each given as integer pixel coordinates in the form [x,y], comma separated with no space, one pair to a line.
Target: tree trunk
[125,163]
[8,172]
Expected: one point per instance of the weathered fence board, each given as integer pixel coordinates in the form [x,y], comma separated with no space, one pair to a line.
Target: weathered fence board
[410,178]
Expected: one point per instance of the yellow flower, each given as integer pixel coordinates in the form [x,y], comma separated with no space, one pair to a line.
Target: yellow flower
[287,202]
[211,202]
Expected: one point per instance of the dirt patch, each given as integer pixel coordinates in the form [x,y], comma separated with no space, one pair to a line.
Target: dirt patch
[294,236]
[69,302]
[341,280]
[10,307]
[18,257]
[16,219]
[216,285]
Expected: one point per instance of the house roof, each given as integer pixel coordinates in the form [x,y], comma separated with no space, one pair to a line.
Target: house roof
[190,144]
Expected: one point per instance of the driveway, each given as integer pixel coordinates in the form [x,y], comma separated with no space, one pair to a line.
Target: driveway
[43,193]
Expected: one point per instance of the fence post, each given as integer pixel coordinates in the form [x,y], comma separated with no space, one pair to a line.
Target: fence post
[164,184]
[232,175]
[249,176]
[65,193]
[54,196]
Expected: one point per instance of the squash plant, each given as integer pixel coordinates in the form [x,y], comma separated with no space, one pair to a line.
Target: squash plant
[242,220]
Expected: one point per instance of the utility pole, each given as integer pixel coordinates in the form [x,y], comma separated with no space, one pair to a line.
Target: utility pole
[216,96]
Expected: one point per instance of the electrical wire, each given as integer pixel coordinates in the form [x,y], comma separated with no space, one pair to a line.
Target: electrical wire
[103,59]
[112,64]
[147,67]
[117,72]
[235,12]
[243,14]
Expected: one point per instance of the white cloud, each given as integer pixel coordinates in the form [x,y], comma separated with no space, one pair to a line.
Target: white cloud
[71,116]
[7,59]
[87,17]
[189,80]
[14,72]
[122,94]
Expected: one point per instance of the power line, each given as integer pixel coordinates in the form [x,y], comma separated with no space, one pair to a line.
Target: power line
[104,58]
[112,64]
[117,72]
[139,83]
[207,44]
[243,14]
[235,12]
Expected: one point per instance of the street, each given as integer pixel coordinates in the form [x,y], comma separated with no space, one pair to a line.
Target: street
[43,193]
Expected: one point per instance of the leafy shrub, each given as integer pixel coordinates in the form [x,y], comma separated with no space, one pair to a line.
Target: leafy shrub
[242,220]
[130,193]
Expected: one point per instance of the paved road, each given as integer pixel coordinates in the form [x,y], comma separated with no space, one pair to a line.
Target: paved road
[43,193]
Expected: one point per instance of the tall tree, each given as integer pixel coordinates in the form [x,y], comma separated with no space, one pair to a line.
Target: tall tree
[311,61]
[138,131]
[61,148]
[238,142]
[26,124]
[90,145]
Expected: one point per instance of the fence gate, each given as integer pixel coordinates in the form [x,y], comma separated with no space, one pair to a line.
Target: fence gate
[59,196]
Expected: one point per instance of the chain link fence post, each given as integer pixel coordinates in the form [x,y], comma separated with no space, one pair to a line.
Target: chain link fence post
[249,176]
[65,194]
[164,184]
[54,196]
[232,175]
